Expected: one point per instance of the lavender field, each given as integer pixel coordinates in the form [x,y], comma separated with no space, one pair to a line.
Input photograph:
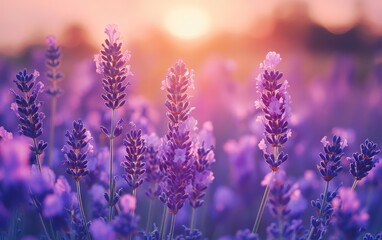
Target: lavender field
[168,120]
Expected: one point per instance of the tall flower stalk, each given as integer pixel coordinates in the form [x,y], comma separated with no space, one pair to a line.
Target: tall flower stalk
[329,167]
[275,104]
[177,156]
[112,64]
[363,162]
[27,108]
[53,62]
[76,153]
[134,164]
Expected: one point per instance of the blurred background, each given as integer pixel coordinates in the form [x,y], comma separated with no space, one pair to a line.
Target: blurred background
[332,58]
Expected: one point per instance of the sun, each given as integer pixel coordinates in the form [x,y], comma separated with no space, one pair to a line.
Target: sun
[187,22]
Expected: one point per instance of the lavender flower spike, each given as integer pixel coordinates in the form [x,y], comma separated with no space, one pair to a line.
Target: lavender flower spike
[177,157]
[363,162]
[53,56]
[134,164]
[112,64]
[76,153]
[77,150]
[275,104]
[27,109]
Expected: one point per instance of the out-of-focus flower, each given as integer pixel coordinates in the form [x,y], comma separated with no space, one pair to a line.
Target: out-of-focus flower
[128,203]
[350,219]
[153,175]
[224,199]
[101,230]
[53,55]
[246,235]
[4,135]
[369,236]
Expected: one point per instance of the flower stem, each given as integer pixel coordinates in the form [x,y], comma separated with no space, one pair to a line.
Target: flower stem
[262,206]
[321,209]
[43,226]
[111,192]
[135,197]
[164,222]
[37,155]
[172,225]
[354,184]
[192,225]
[52,126]
[82,208]
[149,215]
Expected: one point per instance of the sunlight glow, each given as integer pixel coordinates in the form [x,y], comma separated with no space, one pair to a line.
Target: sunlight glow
[187,22]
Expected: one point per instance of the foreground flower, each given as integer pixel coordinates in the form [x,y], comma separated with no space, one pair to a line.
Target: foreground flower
[275,104]
[363,162]
[28,111]
[112,64]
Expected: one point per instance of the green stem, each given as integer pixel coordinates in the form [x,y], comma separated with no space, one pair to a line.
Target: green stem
[111,192]
[135,197]
[261,209]
[321,209]
[354,184]
[149,215]
[192,225]
[172,226]
[37,155]
[164,221]
[82,208]
[52,127]
[43,226]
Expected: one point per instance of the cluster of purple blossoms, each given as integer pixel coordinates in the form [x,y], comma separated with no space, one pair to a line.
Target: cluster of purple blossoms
[363,162]
[53,56]
[177,156]
[77,150]
[369,236]
[275,104]
[330,163]
[324,208]
[134,163]
[27,107]
[112,63]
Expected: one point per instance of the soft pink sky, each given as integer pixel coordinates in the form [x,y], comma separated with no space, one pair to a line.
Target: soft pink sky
[23,21]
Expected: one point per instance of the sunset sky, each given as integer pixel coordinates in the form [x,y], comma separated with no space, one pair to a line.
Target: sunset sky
[25,21]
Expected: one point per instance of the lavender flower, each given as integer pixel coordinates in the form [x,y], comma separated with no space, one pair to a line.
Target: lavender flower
[134,163]
[30,118]
[190,234]
[323,206]
[112,63]
[369,236]
[275,104]
[246,235]
[177,158]
[363,162]
[4,135]
[77,150]
[330,163]
[53,62]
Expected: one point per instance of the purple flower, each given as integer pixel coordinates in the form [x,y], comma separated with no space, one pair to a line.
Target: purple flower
[177,155]
[330,163]
[363,162]
[275,104]
[77,150]
[369,236]
[4,135]
[101,230]
[349,219]
[246,235]
[134,164]
[112,63]
[28,110]
[53,55]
